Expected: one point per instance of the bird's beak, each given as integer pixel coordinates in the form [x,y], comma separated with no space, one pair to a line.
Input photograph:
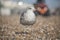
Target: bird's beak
[34,10]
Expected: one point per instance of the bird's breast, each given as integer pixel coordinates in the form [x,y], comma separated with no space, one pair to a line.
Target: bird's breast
[30,16]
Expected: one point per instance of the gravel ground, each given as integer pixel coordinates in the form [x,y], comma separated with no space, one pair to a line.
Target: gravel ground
[45,28]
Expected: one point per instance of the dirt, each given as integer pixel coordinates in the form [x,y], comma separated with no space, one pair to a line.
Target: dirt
[45,28]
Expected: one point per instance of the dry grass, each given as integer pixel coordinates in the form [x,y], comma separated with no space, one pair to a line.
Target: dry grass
[45,28]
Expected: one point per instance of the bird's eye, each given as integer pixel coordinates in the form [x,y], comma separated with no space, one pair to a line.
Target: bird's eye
[29,8]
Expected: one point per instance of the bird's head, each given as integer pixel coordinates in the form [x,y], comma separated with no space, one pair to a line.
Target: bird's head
[32,9]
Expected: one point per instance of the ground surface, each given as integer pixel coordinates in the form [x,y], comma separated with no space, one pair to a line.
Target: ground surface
[45,28]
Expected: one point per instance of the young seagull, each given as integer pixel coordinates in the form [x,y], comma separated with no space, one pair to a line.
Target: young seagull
[28,17]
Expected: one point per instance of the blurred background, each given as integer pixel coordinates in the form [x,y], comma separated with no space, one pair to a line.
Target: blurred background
[14,4]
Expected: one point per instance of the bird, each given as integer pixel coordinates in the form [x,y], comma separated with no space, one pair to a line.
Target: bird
[28,17]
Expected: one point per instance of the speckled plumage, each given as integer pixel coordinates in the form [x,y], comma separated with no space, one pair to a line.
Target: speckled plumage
[28,18]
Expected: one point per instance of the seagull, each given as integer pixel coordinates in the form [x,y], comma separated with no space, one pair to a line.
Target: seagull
[28,17]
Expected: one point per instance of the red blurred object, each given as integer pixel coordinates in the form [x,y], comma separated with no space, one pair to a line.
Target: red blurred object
[41,8]
[41,5]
